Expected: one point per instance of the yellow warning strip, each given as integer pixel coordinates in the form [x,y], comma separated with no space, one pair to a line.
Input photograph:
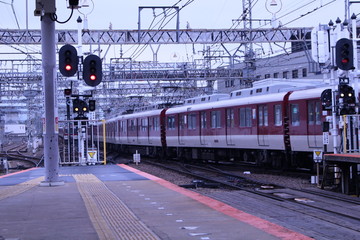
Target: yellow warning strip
[19,188]
[111,218]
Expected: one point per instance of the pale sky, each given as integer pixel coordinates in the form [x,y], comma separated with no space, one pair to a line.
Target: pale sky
[123,14]
[198,14]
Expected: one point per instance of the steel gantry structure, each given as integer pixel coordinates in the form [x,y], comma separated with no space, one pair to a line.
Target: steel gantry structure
[126,79]
[184,36]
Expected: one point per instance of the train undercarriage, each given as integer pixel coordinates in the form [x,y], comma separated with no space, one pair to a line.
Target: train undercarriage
[274,159]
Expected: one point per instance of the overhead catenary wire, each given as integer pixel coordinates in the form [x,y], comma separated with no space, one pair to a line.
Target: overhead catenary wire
[137,52]
[291,11]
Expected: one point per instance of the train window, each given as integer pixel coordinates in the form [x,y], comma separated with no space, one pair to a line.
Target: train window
[203,119]
[277,115]
[123,126]
[132,125]
[143,123]
[192,121]
[245,117]
[118,127]
[295,114]
[318,109]
[150,121]
[182,121]
[311,113]
[314,113]
[230,117]
[215,119]
[263,116]
[171,122]
[156,123]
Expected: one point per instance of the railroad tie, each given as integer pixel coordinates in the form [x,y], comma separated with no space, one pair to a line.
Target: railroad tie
[19,188]
[111,218]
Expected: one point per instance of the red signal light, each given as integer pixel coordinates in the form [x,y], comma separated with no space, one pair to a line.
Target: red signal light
[68,67]
[92,77]
[68,60]
[92,70]
[345,60]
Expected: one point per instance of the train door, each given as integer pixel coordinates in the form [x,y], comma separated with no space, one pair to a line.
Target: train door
[229,125]
[314,124]
[128,128]
[150,122]
[203,127]
[263,125]
[123,131]
[137,129]
[181,128]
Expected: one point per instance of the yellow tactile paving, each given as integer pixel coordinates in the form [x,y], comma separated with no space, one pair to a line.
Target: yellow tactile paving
[111,218]
[19,188]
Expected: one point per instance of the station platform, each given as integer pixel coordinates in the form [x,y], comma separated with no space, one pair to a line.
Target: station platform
[348,163]
[120,202]
[343,158]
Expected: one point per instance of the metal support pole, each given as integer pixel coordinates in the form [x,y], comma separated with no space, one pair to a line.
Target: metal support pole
[104,139]
[139,24]
[334,130]
[177,24]
[51,146]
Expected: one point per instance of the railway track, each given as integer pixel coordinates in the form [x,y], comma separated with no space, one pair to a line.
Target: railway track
[19,153]
[322,206]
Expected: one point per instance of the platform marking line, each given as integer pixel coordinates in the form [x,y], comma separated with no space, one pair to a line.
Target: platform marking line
[259,223]
[14,173]
[14,190]
[111,218]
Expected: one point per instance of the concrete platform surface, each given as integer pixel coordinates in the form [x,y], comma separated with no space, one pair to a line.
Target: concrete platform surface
[120,202]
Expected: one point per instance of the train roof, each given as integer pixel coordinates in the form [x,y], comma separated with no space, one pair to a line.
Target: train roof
[207,98]
[276,85]
[149,113]
[229,103]
[253,99]
[273,93]
[308,93]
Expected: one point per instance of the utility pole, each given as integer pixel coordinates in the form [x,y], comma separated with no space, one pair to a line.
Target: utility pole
[46,10]
[249,59]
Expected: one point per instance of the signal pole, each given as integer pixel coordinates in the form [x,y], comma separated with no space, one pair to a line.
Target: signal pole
[334,131]
[46,9]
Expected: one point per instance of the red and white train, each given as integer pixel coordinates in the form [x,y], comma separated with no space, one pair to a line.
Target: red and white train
[266,125]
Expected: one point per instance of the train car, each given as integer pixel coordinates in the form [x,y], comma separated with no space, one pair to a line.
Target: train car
[142,131]
[278,129]
[274,126]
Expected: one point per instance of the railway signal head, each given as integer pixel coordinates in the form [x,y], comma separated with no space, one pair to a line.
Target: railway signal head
[67,92]
[92,70]
[80,106]
[68,60]
[84,107]
[344,54]
[92,106]
[76,105]
[348,100]
[326,99]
